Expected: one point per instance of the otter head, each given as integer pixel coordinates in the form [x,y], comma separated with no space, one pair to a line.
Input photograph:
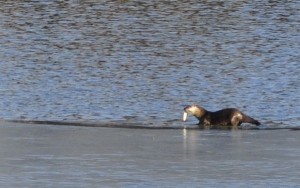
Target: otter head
[194,110]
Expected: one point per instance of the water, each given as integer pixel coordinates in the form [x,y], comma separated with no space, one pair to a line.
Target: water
[139,63]
[92,61]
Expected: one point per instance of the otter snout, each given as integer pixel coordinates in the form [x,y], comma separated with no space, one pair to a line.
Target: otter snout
[194,110]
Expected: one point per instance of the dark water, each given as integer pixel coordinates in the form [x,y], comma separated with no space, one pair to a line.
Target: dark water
[143,61]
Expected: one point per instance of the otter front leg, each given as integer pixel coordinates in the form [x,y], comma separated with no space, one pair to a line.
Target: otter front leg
[203,125]
[200,124]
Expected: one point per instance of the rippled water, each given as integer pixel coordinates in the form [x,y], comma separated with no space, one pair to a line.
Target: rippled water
[143,61]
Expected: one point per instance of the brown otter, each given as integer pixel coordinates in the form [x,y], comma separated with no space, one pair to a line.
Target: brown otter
[224,117]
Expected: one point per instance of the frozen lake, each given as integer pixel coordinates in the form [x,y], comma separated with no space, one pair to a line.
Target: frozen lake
[66,156]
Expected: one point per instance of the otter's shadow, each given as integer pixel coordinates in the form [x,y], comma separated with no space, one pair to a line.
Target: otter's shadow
[215,127]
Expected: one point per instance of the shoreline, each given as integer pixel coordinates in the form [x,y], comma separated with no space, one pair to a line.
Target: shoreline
[139,125]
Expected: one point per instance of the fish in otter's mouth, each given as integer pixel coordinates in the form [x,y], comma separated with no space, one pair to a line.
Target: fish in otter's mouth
[185,114]
[184,118]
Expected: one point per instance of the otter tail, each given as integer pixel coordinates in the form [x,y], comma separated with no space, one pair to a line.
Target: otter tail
[247,119]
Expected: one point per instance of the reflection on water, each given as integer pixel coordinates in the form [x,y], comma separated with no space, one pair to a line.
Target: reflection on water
[93,61]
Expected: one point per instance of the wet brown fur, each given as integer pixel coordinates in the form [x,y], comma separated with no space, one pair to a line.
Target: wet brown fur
[224,117]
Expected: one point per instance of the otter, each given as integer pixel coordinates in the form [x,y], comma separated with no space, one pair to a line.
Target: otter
[224,117]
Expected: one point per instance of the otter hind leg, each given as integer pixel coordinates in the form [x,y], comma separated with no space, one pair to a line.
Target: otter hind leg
[236,119]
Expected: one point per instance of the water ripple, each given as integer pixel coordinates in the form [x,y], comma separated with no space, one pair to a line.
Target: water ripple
[95,61]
